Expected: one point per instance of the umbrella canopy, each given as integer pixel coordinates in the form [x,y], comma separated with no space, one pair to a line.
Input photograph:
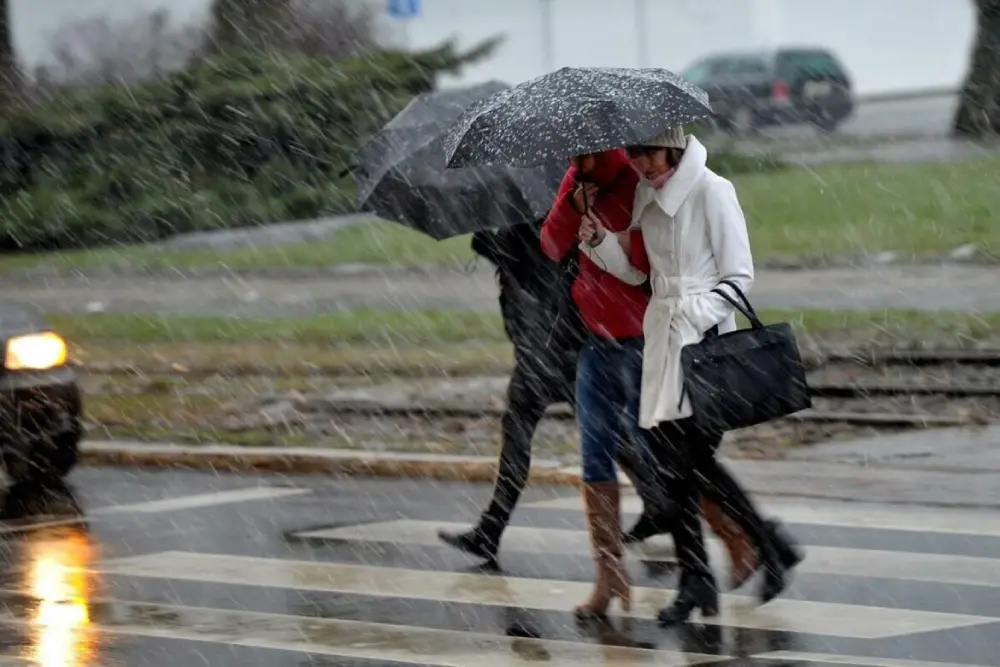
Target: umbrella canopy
[401,173]
[573,111]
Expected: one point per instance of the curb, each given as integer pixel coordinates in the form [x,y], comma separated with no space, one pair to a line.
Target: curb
[304,461]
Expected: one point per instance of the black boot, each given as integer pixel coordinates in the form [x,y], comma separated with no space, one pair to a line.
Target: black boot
[695,591]
[659,512]
[789,552]
[650,523]
[482,541]
[774,573]
[782,554]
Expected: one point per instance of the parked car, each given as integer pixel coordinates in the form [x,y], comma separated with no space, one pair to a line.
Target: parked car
[41,421]
[786,86]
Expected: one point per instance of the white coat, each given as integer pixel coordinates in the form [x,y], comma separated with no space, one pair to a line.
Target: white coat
[695,235]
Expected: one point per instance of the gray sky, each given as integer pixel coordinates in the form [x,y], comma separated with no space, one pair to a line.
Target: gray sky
[887,44]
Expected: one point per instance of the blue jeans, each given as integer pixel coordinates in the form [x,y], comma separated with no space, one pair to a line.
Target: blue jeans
[608,384]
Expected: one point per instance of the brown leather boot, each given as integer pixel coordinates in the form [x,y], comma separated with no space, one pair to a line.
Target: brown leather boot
[602,504]
[743,561]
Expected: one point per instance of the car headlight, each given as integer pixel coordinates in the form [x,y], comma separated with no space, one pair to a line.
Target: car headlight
[35,352]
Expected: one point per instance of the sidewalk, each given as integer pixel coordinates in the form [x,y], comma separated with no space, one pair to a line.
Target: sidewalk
[973,450]
[931,287]
[964,481]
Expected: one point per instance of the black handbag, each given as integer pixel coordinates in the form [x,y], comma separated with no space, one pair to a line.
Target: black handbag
[744,377]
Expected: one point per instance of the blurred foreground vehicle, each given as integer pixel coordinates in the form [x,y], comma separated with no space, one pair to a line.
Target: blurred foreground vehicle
[40,401]
[788,86]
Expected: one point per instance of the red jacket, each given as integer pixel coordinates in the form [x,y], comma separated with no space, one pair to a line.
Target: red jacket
[637,254]
[610,308]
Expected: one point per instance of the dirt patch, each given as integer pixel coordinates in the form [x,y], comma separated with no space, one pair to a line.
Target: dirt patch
[315,409]
[213,421]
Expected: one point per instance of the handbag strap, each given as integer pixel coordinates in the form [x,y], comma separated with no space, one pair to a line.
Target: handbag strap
[746,309]
[748,313]
[736,288]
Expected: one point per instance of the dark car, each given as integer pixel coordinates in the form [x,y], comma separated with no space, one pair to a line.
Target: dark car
[787,86]
[41,408]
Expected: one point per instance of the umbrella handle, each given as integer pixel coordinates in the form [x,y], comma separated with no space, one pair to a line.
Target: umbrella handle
[586,204]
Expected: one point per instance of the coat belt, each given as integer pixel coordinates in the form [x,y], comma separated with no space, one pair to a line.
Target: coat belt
[666,287]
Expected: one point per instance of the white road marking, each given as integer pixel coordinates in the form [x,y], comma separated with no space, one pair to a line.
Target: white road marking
[196,501]
[845,514]
[822,618]
[203,500]
[28,526]
[370,641]
[934,568]
[515,538]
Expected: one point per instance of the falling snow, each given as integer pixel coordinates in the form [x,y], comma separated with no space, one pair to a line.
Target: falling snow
[262,347]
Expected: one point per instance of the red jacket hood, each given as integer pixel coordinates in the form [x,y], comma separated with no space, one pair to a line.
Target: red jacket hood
[609,165]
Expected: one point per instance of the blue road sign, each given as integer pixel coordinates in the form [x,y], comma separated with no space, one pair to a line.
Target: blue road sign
[404,9]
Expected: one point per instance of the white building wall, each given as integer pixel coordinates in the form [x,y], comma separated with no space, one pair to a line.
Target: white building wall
[888,45]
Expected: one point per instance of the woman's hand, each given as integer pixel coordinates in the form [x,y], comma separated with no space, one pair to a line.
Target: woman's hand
[591,230]
[584,196]
[625,241]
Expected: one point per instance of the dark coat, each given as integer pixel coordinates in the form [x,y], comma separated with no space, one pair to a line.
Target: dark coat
[539,315]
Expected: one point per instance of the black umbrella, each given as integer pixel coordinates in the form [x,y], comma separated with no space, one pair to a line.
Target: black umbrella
[573,111]
[401,174]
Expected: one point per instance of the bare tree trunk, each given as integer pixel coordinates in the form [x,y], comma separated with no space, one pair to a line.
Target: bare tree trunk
[248,24]
[977,115]
[10,75]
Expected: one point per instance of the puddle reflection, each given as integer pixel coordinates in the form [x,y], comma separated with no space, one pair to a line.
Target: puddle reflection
[52,566]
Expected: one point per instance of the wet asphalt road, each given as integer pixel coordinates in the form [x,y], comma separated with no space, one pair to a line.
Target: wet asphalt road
[185,568]
[929,116]
[948,287]
[901,130]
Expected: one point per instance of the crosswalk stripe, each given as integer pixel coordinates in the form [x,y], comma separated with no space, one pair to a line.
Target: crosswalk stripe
[452,641]
[821,618]
[16,527]
[939,568]
[844,514]
[203,500]
[853,660]
[369,641]
[162,505]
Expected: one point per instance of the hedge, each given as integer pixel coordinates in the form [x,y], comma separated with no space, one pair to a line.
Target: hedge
[234,141]
[238,140]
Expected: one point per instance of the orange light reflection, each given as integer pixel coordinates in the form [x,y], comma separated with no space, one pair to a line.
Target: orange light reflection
[59,583]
